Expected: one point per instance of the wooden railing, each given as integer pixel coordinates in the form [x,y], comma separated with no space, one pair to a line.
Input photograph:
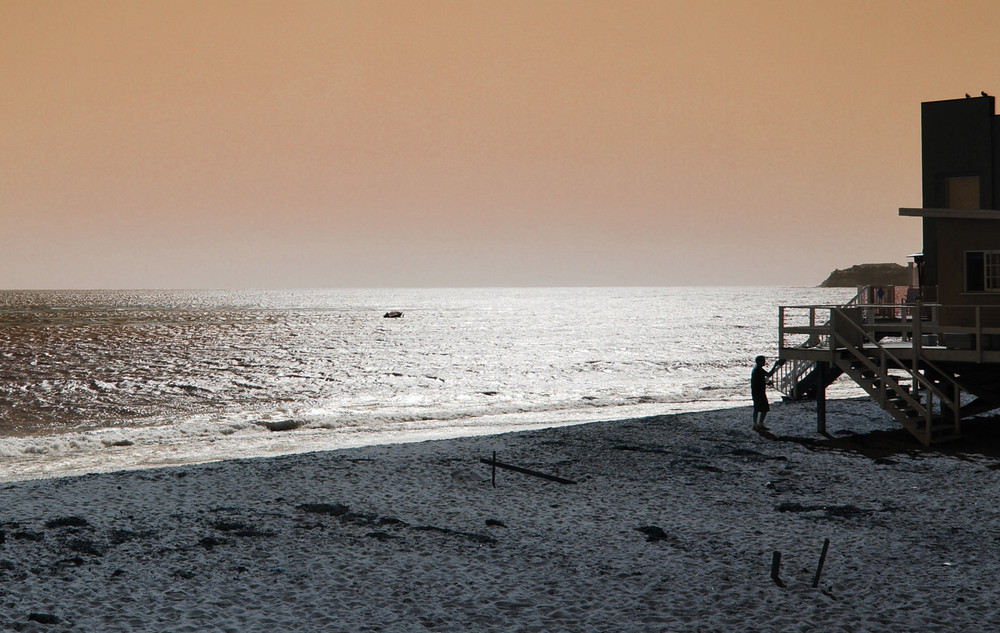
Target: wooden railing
[914,359]
[791,373]
[889,362]
[918,324]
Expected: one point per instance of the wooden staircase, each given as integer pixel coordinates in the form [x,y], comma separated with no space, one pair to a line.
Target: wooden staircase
[922,397]
[924,401]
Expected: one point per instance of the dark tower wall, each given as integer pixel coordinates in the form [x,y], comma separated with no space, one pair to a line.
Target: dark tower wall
[996,163]
[959,140]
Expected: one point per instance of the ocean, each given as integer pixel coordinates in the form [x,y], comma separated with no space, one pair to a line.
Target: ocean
[100,380]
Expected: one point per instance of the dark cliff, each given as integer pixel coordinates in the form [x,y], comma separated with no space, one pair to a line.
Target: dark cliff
[868,275]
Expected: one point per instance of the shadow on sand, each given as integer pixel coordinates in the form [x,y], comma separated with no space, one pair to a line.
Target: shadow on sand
[981,438]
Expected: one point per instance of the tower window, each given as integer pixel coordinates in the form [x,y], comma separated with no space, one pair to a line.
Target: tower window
[982,271]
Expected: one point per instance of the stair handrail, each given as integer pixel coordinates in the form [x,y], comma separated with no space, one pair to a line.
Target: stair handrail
[915,376]
[862,291]
[954,403]
[926,361]
[896,388]
[790,374]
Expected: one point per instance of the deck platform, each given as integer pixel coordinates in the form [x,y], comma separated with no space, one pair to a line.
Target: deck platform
[928,376]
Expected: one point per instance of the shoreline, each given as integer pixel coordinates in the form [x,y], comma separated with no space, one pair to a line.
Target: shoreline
[671,526]
[76,452]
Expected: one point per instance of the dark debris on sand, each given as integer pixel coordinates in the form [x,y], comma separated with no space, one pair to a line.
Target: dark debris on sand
[829,512]
[367,519]
[66,522]
[239,528]
[44,618]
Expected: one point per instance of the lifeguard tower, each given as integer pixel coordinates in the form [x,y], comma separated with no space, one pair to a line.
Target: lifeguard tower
[929,353]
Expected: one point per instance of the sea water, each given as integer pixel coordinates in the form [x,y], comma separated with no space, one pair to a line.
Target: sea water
[98,380]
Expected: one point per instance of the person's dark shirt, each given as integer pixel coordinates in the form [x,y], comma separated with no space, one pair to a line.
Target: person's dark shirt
[758,384]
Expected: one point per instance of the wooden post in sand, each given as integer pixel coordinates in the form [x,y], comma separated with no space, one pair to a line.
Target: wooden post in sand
[776,568]
[527,471]
[822,559]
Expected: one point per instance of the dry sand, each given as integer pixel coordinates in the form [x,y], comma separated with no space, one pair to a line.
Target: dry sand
[671,526]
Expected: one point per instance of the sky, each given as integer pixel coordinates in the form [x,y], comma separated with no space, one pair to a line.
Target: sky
[407,143]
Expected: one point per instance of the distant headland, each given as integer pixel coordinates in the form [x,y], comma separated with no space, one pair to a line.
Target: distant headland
[868,275]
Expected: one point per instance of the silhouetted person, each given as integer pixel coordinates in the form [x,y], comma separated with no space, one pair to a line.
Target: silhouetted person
[758,391]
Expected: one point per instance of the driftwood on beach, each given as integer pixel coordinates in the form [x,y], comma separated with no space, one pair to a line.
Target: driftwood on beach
[524,471]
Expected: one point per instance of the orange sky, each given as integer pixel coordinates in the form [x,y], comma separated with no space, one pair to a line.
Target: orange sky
[426,143]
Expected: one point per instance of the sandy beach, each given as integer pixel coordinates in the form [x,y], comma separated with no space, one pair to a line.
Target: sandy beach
[671,525]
